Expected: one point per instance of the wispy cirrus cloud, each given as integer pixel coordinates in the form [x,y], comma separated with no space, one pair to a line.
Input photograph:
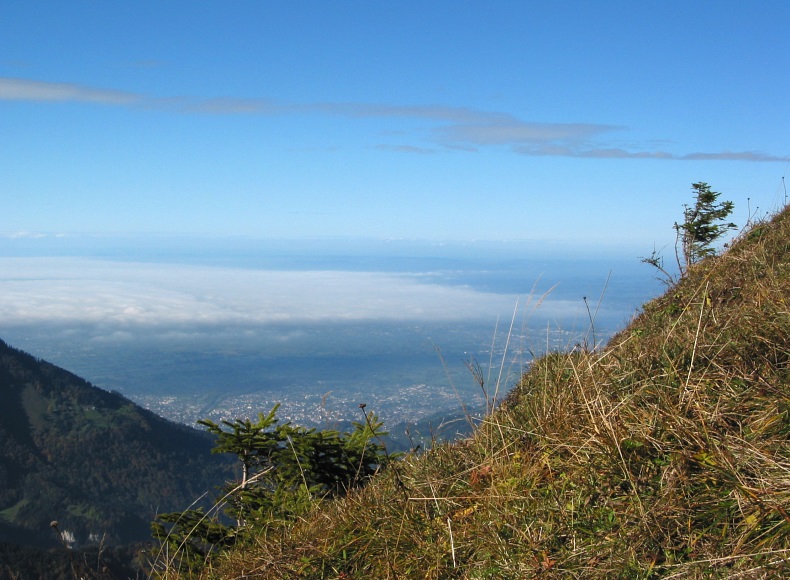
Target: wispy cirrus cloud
[540,150]
[27,90]
[734,156]
[15,89]
[234,106]
[574,140]
[407,149]
[515,133]
[456,128]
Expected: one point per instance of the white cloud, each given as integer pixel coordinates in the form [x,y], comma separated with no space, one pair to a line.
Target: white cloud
[79,290]
[23,235]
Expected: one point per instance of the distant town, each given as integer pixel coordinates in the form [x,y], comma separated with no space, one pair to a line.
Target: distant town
[305,407]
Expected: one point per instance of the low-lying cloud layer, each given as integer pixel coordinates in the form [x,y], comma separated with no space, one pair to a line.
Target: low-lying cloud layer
[121,294]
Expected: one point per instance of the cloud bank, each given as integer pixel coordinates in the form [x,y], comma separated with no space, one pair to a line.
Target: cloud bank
[458,128]
[119,294]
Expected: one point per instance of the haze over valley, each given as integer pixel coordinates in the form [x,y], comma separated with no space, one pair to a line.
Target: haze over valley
[214,331]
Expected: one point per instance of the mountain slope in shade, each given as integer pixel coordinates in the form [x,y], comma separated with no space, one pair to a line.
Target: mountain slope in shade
[92,460]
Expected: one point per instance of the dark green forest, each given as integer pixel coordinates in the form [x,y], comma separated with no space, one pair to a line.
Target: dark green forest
[91,460]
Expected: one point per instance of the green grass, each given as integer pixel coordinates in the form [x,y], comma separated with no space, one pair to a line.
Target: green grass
[36,406]
[83,510]
[665,454]
[10,513]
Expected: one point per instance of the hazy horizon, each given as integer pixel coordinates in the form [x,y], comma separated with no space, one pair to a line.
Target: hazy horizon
[196,333]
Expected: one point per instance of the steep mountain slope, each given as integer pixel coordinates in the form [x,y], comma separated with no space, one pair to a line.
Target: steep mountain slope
[664,454]
[91,460]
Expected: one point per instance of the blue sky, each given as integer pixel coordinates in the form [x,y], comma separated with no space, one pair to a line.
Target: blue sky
[583,122]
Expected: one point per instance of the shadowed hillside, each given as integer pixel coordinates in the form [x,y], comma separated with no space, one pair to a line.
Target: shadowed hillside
[663,454]
[91,460]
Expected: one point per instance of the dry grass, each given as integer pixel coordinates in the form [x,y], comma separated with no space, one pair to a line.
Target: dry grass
[664,454]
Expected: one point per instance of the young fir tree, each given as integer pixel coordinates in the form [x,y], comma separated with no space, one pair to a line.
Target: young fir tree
[703,224]
[286,470]
[252,443]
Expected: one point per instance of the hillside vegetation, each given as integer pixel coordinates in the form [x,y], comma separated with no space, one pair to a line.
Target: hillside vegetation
[663,454]
[91,460]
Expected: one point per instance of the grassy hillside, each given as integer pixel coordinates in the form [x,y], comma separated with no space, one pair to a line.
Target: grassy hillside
[90,459]
[664,454]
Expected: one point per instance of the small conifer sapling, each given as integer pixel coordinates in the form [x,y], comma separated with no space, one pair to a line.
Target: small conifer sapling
[704,223]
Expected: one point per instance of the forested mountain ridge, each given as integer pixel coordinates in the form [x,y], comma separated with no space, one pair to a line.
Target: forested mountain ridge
[92,460]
